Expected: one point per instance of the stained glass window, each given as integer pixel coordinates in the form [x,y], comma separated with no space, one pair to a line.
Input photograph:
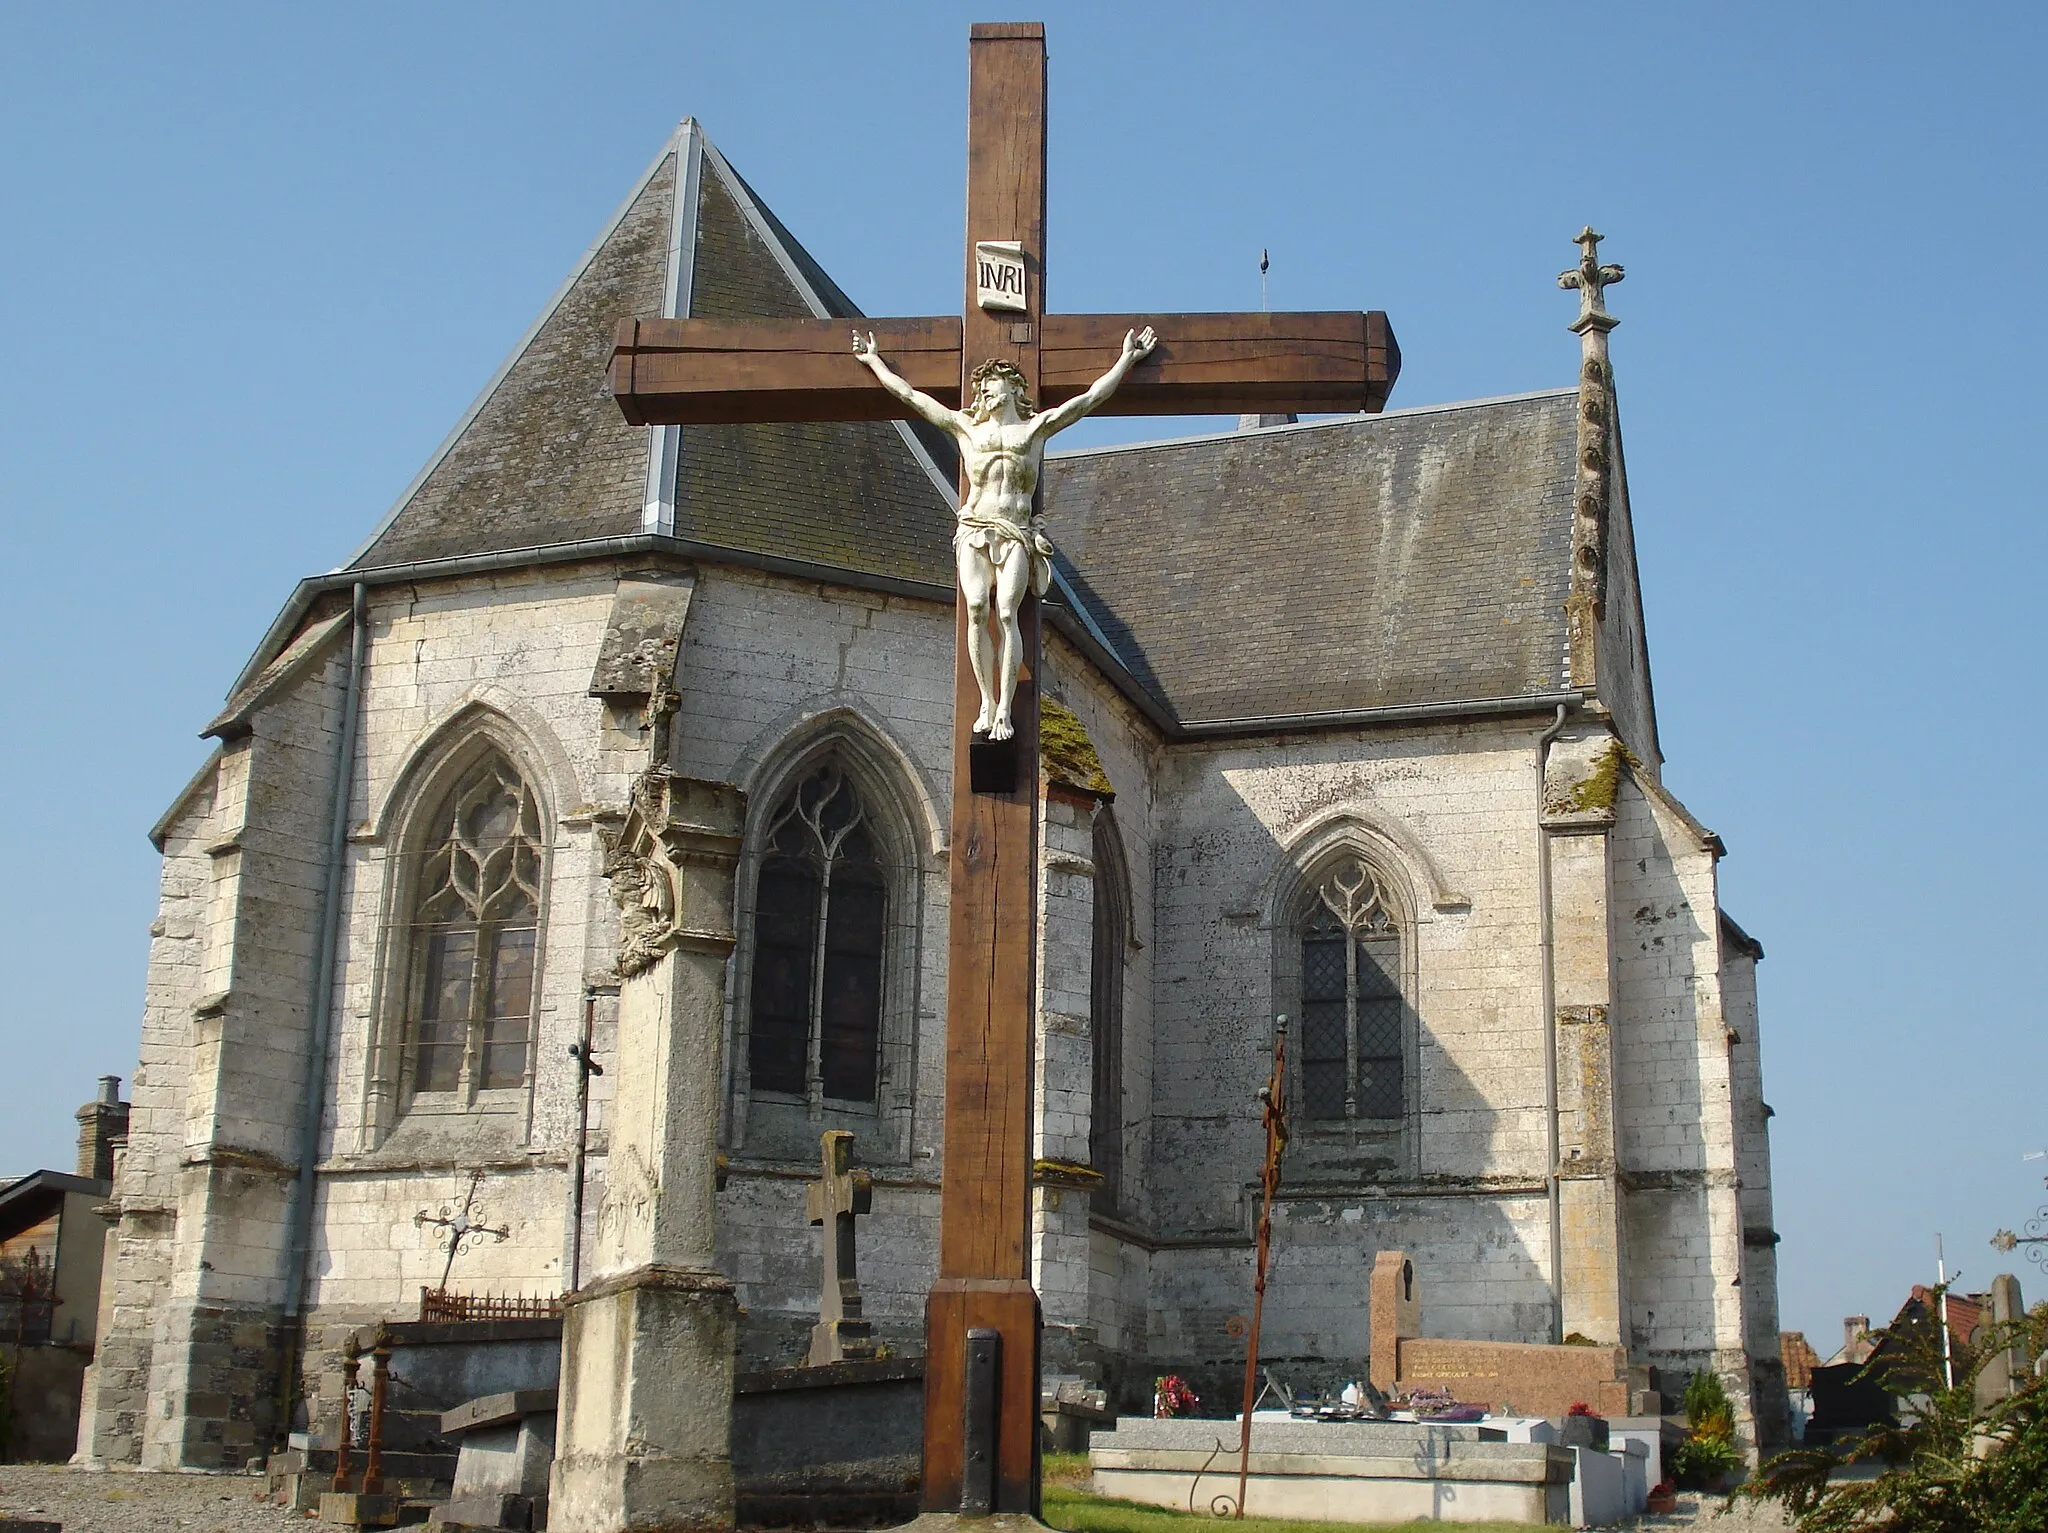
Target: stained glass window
[820,920]
[475,934]
[1352,1009]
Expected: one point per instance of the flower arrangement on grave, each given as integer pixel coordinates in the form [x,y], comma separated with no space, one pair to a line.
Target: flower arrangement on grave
[1440,1405]
[1581,1408]
[1172,1396]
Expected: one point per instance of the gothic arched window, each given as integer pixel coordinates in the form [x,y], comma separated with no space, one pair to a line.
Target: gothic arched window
[1352,1011]
[1106,1020]
[820,920]
[475,933]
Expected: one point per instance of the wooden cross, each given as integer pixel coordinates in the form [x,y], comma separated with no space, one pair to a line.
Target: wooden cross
[839,1194]
[693,371]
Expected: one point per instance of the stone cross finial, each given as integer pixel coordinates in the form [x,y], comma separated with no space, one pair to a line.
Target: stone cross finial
[833,1200]
[1592,280]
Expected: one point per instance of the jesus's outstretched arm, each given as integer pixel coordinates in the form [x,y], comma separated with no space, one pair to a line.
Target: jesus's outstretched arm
[1137,346]
[929,408]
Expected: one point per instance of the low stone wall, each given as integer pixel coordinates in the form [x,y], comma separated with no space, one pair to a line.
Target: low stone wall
[1337,1472]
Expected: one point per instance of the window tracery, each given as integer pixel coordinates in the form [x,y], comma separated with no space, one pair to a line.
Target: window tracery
[821,919]
[475,931]
[1352,1048]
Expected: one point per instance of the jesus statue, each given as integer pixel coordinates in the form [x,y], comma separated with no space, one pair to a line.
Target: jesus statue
[1000,549]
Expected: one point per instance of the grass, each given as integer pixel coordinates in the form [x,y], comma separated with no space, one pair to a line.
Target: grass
[1068,1505]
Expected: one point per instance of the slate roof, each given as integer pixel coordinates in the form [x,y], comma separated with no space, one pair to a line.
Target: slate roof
[1416,558]
[544,458]
[1413,558]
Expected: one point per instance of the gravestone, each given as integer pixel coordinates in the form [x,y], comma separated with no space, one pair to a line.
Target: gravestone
[834,1201]
[1535,1378]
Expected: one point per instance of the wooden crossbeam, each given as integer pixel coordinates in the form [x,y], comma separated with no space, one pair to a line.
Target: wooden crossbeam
[696,372]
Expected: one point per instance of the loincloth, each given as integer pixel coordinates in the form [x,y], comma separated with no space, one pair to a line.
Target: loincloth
[991,533]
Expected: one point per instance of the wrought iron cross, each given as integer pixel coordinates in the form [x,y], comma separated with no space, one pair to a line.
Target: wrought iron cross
[459,1225]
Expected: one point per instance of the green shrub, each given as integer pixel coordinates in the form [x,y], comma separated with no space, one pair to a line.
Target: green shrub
[1951,1466]
[1701,1462]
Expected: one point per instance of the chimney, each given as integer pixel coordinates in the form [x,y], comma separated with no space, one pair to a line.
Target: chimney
[1259,422]
[1854,1329]
[102,1129]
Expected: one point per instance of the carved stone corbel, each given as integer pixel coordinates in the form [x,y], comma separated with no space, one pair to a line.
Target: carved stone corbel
[670,859]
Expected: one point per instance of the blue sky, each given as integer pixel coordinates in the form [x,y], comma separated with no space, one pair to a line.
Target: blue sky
[259,258]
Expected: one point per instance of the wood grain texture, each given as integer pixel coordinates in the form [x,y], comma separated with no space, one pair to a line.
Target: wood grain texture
[991,974]
[703,372]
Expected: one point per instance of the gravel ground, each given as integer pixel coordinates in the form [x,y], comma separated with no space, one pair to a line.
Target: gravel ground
[1707,1512]
[127,1501]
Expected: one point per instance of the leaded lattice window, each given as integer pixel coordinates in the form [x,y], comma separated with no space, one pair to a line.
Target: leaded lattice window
[820,920]
[1351,1002]
[475,935]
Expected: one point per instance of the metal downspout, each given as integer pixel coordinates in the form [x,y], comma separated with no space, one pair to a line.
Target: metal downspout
[320,1011]
[1544,944]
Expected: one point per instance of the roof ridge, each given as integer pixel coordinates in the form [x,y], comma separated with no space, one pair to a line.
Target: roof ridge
[1236,434]
[825,298]
[670,146]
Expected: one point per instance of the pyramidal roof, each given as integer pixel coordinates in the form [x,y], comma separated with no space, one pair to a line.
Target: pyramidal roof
[543,458]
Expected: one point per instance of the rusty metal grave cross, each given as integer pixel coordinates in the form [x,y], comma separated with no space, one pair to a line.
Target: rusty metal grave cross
[839,1195]
[455,1225]
[698,372]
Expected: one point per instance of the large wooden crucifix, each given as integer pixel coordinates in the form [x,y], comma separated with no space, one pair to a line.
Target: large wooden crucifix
[981,1420]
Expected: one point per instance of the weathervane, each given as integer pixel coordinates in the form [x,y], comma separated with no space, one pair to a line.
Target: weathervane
[459,1225]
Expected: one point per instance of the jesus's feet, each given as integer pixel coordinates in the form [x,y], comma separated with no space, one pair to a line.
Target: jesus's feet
[984,719]
[999,728]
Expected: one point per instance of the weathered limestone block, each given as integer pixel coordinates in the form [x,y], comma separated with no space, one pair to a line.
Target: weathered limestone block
[1582,779]
[647,1345]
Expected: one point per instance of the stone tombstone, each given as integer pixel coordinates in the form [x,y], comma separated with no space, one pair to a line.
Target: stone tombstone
[834,1201]
[508,1444]
[1394,1315]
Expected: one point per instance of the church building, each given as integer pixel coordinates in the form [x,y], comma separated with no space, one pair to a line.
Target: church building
[1347,721]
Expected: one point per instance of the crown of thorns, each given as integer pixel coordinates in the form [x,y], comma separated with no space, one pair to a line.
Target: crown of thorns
[998,367]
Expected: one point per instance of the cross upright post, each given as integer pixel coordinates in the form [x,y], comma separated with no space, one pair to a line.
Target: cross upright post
[690,371]
[984,1281]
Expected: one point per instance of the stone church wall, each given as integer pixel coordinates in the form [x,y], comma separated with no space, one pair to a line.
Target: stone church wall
[1771,1403]
[1222,842]
[1112,1339]
[216,1342]
[146,1187]
[1446,816]
[1673,1088]
[511,653]
[770,666]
